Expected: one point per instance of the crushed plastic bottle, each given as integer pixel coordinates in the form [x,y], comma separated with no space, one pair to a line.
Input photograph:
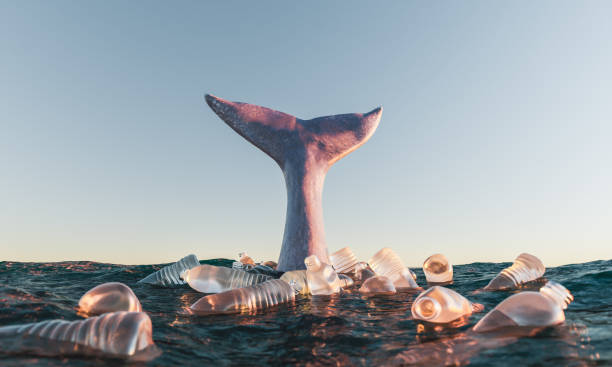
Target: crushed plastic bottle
[249,299]
[378,284]
[386,262]
[297,279]
[116,334]
[109,297]
[442,305]
[170,276]
[216,279]
[535,309]
[438,270]
[343,260]
[321,277]
[363,271]
[525,268]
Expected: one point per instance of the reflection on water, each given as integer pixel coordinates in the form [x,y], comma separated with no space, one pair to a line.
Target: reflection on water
[343,329]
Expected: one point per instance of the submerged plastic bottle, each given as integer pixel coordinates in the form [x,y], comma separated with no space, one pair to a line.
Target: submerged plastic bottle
[363,271]
[343,260]
[297,279]
[386,262]
[525,268]
[116,334]
[322,279]
[378,284]
[109,297]
[442,305]
[170,275]
[216,279]
[249,299]
[535,309]
[438,270]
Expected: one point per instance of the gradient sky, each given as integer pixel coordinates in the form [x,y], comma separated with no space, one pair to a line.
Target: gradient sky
[496,136]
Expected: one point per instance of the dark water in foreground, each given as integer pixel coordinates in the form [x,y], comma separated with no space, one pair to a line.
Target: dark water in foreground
[342,330]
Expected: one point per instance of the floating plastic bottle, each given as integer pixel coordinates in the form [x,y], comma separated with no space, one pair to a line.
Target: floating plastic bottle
[525,268]
[442,305]
[109,297]
[170,276]
[216,279]
[386,262]
[535,309]
[117,334]
[438,270]
[322,279]
[343,260]
[297,279]
[245,259]
[249,299]
[363,271]
[378,284]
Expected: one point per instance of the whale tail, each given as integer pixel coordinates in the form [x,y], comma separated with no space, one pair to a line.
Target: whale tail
[279,134]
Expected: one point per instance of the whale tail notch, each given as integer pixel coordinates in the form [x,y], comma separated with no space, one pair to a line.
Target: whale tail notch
[276,132]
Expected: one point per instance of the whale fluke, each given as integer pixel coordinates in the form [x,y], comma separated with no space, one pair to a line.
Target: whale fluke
[304,150]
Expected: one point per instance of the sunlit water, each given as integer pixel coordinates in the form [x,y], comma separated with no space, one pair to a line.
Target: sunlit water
[348,329]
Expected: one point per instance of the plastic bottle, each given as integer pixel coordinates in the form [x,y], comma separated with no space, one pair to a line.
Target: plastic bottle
[245,259]
[525,268]
[216,279]
[321,277]
[386,262]
[345,281]
[363,271]
[378,284]
[438,270]
[442,305]
[116,334]
[109,297]
[170,276]
[249,299]
[343,260]
[535,309]
[297,279]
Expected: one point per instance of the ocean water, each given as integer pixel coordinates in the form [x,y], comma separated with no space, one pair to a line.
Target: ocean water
[346,329]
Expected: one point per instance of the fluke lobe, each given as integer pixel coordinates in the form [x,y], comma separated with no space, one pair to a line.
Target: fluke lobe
[304,150]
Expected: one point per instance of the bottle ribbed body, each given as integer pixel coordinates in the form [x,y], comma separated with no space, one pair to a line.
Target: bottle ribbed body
[525,268]
[257,297]
[216,279]
[343,260]
[170,276]
[121,334]
[386,262]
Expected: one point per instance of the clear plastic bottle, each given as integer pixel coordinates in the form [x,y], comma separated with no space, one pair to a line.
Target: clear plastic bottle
[442,305]
[345,281]
[170,276]
[109,297]
[297,279]
[116,334]
[363,271]
[535,309]
[216,279]
[343,260]
[438,270]
[245,259]
[249,299]
[321,277]
[386,262]
[525,268]
[378,284]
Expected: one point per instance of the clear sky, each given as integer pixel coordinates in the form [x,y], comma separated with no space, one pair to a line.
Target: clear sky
[496,136]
